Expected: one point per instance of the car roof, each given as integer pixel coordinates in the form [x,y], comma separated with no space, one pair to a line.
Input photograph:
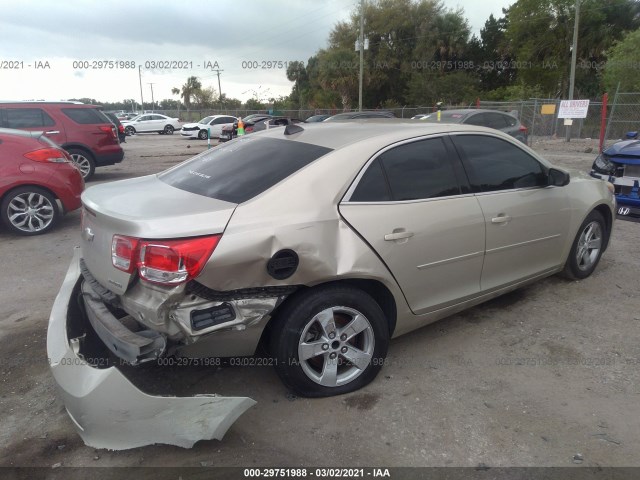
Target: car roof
[38,102]
[386,131]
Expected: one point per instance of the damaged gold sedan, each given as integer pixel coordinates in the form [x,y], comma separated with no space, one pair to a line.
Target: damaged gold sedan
[318,243]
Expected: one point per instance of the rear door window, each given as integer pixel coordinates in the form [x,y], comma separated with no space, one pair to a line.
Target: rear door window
[242,169]
[27,118]
[412,171]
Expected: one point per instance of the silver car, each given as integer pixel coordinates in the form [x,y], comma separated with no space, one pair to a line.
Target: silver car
[319,242]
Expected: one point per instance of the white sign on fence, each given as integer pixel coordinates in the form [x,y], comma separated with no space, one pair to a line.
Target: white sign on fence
[573,109]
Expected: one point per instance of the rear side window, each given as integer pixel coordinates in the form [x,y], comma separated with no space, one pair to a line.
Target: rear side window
[242,169]
[412,171]
[373,185]
[27,118]
[85,116]
[493,164]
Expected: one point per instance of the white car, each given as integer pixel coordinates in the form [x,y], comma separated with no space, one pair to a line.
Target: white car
[151,123]
[213,122]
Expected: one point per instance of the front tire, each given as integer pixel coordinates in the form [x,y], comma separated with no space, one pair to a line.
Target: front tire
[84,161]
[587,247]
[203,134]
[30,211]
[329,341]
[129,130]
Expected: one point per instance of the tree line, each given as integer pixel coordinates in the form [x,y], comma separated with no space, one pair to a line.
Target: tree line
[420,53]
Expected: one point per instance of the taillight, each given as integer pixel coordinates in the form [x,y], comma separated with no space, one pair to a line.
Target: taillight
[167,262]
[49,154]
[523,129]
[123,252]
[107,129]
[121,129]
[248,129]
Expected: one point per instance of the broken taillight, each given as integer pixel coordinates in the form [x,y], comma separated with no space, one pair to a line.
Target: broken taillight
[166,262]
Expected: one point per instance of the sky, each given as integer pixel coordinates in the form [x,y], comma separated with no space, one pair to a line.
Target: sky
[46,47]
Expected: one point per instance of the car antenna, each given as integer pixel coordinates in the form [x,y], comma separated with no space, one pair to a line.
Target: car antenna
[291,129]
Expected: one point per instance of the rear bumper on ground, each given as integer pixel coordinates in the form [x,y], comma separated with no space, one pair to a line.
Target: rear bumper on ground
[107,410]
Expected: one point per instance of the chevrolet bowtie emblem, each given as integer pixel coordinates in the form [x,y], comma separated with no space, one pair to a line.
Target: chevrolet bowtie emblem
[88,235]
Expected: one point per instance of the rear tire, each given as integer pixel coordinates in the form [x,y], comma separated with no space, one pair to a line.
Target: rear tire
[168,130]
[329,341]
[29,211]
[84,161]
[587,247]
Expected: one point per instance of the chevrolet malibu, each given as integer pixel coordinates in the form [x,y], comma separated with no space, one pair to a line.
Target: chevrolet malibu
[320,243]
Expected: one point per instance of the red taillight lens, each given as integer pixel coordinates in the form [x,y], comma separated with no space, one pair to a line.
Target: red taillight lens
[50,154]
[248,129]
[167,262]
[107,129]
[121,129]
[123,252]
[523,129]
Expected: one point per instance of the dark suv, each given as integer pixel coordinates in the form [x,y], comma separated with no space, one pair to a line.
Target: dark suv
[82,130]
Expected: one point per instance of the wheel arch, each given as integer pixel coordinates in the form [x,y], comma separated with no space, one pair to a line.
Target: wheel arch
[79,146]
[35,185]
[605,211]
[374,288]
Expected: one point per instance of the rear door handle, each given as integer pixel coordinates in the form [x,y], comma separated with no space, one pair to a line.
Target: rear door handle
[502,218]
[389,237]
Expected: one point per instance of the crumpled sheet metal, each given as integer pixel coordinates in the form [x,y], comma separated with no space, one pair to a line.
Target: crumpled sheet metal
[110,412]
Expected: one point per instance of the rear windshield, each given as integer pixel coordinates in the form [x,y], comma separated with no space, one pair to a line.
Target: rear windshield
[242,169]
[85,115]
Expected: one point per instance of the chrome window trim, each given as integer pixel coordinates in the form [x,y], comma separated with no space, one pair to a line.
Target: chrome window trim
[346,199]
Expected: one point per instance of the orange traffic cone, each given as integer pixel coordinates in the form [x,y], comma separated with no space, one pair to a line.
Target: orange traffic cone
[240,127]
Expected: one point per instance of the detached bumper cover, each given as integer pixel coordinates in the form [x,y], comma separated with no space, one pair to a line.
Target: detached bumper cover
[109,411]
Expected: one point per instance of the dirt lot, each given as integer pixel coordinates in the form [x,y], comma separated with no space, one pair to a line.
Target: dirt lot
[531,379]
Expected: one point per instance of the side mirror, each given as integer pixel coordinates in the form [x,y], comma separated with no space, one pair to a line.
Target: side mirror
[558,178]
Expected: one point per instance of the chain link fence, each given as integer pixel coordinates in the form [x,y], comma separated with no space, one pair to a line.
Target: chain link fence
[539,115]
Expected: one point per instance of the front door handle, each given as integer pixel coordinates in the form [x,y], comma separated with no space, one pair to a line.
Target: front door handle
[52,132]
[397,234]
[502,218]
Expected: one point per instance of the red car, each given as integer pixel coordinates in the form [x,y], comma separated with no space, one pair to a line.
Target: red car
[38,182]
[82,130]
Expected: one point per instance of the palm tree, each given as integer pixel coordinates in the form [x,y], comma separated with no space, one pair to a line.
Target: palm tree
[189,89]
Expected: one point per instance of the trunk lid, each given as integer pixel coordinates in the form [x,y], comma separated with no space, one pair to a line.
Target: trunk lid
[147,208]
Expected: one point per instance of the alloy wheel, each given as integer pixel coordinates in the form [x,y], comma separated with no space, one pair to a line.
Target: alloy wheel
[336,346]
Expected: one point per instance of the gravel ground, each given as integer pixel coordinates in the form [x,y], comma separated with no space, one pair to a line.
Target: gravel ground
[533,378]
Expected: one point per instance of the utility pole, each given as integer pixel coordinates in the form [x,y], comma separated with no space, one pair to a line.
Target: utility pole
[361,55]
[153,105]
[141,97]
[574,54]
[219,88]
